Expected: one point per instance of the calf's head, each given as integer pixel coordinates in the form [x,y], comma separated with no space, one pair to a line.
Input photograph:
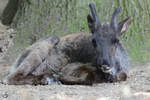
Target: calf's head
[105,37]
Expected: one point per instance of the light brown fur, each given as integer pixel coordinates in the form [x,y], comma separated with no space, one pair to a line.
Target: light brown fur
[29,60]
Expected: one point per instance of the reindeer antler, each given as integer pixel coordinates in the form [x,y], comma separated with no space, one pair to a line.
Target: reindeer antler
[94,14]
[114,18]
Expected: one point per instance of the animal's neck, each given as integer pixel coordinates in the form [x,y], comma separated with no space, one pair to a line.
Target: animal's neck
[122,58]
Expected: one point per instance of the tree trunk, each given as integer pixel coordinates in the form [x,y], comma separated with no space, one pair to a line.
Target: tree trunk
[9,12]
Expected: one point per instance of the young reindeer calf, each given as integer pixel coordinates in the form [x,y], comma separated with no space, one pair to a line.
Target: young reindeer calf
[79,58]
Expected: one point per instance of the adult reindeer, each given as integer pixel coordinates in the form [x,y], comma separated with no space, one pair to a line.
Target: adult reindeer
[78,58]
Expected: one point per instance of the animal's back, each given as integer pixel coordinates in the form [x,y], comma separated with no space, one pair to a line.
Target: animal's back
[78,47]
[40,48]
[72,48]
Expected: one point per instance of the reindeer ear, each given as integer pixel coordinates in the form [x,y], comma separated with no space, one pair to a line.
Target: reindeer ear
[90,23]
[124,25]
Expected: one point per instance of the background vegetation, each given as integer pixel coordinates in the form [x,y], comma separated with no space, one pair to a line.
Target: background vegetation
[37,18]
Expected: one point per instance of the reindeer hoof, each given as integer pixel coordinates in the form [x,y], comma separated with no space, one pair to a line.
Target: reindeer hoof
[51,81]
[5,81]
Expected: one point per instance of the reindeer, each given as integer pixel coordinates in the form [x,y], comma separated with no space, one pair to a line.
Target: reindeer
[80,58]
[111,56]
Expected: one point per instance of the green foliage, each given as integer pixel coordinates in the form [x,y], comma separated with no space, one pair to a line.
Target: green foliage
[45,17]
[138,37]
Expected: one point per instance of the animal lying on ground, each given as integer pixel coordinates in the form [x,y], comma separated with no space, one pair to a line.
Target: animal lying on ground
[76,58]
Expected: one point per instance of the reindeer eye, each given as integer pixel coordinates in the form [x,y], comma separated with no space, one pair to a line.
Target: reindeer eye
[114,41]
[94,43]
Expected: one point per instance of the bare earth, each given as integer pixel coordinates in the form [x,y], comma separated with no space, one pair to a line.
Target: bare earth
[137,87]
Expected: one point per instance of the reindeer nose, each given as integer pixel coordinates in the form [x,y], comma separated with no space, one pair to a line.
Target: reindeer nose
[101,62]
[105,62]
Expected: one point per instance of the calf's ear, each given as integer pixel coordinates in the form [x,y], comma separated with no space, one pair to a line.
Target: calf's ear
[124,25]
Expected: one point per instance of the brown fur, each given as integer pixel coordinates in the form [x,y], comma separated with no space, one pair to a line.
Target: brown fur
[77,73]
[61,60]
[29,60]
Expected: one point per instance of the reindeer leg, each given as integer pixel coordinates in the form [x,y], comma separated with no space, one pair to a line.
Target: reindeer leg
[25,68]
[78,73]
[121,76]
[116,77]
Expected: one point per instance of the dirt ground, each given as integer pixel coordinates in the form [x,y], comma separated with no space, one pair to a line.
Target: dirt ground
[137,87]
